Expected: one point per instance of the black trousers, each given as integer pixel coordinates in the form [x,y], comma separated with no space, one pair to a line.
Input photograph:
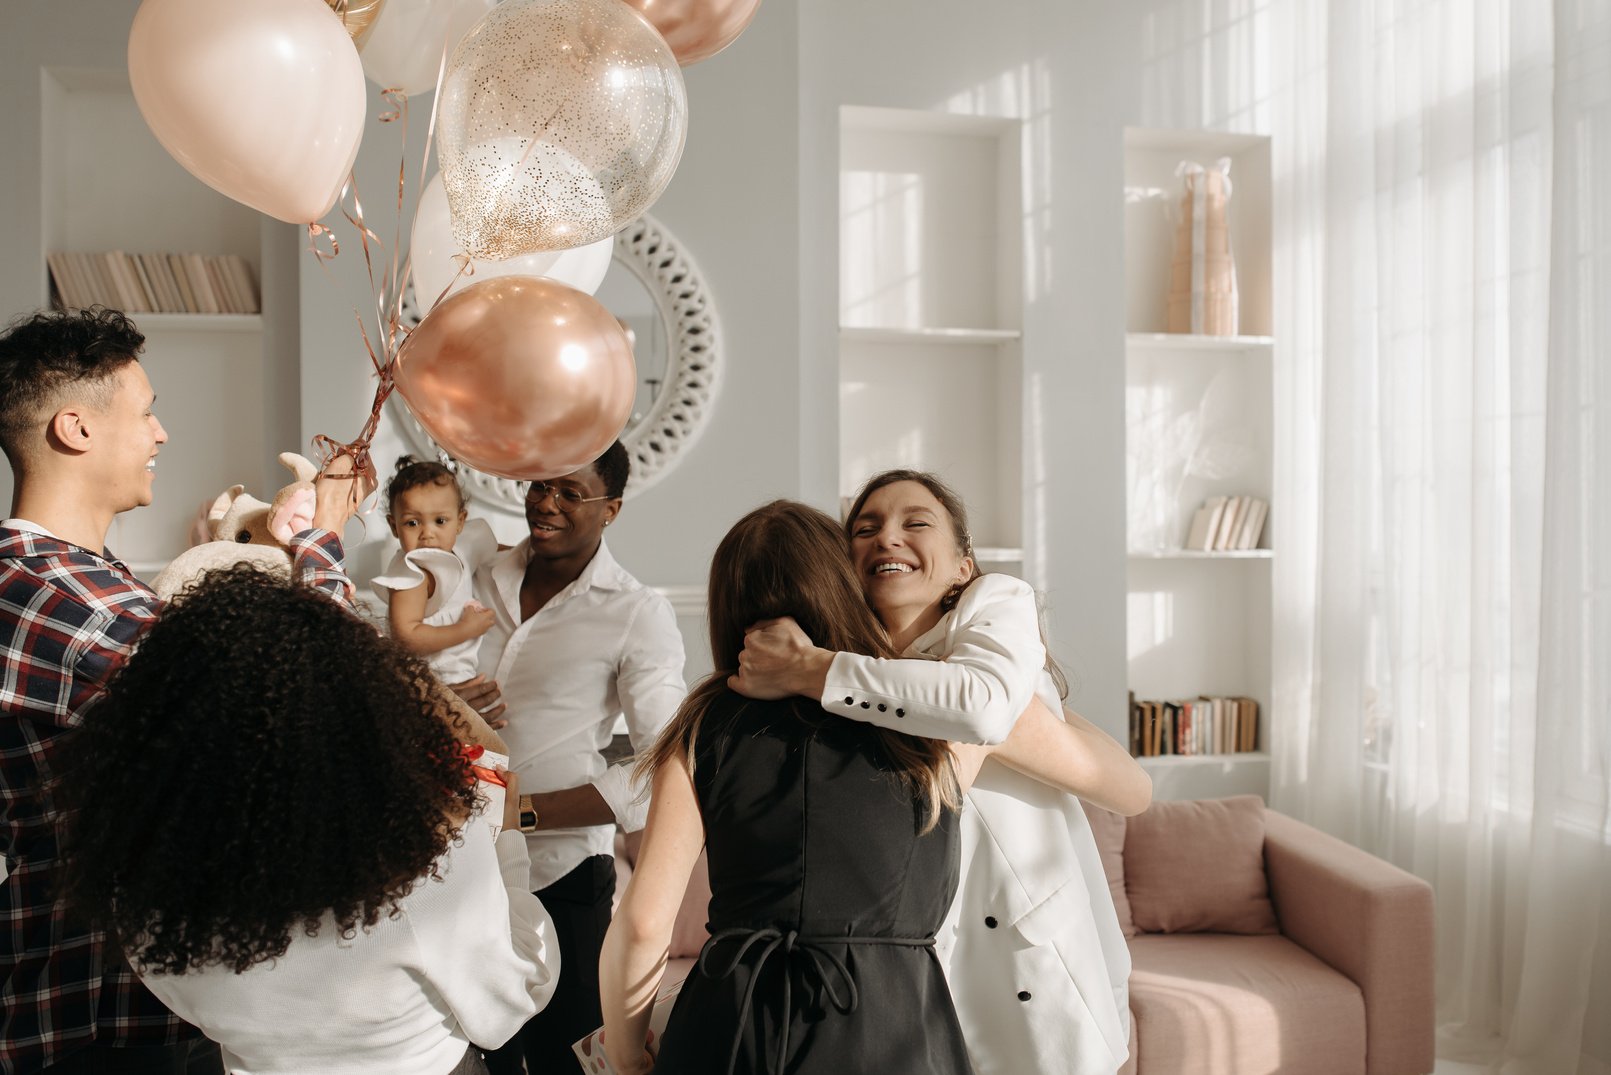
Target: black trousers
[579,904]
[198,1057]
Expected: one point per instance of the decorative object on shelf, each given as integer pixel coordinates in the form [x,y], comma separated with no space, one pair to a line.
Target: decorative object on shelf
[558,122]
[434,256]
[357,16]
[262,100]
[519,377]
[405,47]
[698,29]
[155,283]
[1202,277]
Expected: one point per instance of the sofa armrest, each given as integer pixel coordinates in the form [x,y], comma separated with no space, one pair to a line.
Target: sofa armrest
[1368,919]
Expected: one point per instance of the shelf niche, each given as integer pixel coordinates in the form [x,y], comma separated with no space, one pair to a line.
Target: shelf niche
[931,310]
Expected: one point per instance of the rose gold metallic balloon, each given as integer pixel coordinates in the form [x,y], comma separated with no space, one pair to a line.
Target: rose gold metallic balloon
[519,377]
[356,15]
[697,29]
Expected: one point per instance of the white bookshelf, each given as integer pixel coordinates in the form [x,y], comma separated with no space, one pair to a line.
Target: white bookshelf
[860,334]
[1198,423]
[1201,554]
[225,383]
[931,311]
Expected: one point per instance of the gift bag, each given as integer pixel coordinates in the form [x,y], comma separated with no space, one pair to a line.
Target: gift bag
[1202,276]
[590,1050]
[484,765]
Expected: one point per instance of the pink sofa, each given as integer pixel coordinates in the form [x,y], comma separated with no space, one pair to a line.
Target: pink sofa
[1259,945]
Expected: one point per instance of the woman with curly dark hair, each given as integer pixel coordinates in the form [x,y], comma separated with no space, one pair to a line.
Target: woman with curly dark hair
[272,811]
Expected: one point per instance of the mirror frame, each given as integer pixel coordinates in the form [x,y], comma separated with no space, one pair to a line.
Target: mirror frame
[649,250]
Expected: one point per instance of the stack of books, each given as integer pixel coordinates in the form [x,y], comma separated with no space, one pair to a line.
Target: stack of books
[155,283]
[1203,725]
[1228,524]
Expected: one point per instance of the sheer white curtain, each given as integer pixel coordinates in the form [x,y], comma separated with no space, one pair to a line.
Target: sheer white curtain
[1443,588]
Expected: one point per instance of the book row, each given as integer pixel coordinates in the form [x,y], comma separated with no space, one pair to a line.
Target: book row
[155,283]
[1206,725]
[1228,524]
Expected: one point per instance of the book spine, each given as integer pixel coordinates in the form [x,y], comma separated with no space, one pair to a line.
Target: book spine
[181,276]
[196,269]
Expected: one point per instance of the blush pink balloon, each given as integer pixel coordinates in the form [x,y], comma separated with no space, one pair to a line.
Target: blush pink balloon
[519,377]
[697,29]
[262,100]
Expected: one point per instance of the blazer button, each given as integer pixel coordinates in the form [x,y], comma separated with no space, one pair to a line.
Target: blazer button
[882,707]
[849,700]
[865,705]
[1023,995]
[900,712]
[990,921]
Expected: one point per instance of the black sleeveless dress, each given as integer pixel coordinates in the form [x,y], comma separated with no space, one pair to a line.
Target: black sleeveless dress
[824,904]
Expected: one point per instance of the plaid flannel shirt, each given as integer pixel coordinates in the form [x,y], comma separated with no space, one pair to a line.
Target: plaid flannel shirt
[68,618]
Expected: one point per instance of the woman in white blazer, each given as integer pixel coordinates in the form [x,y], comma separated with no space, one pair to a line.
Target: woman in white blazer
[1034,956]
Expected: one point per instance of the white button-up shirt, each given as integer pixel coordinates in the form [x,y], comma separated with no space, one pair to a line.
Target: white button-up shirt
[605,645]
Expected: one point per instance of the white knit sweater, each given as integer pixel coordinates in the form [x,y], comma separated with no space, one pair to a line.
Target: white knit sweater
[469,958]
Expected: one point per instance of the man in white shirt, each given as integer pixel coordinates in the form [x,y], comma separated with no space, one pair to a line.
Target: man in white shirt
[576,641]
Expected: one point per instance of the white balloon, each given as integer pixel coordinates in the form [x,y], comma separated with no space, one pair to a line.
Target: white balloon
[433,249]
[286,147]
[406,43]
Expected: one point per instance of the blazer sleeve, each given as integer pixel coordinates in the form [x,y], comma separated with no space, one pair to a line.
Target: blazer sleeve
[989,661]
[485,943]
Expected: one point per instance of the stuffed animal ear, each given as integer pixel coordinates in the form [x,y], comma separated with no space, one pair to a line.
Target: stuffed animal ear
[292,512]
[222,504]
[299,466]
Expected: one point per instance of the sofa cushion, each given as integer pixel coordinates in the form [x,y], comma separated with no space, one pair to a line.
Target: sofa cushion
[1108,828]
[1198,866]
[1237,1005]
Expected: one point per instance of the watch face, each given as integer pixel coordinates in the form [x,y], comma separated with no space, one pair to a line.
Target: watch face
[528,820]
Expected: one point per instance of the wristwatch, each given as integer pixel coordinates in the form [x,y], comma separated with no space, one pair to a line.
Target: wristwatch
[528,814]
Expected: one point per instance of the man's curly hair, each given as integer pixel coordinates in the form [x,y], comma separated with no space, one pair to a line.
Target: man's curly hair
[262,761]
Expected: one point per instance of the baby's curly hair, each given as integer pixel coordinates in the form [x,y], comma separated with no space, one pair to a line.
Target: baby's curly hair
[412,473]
[263,760]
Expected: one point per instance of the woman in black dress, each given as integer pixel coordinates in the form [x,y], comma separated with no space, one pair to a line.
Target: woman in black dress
[832,848]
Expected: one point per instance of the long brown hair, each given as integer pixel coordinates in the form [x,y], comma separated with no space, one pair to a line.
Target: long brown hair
[788,559]
[958,513]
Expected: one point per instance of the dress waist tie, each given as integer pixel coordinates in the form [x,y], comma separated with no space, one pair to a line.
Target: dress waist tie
[829,969]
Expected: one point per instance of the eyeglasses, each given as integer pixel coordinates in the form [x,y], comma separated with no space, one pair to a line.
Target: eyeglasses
[566,499]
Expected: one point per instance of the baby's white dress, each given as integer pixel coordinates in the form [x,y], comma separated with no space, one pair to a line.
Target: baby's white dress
[453,569]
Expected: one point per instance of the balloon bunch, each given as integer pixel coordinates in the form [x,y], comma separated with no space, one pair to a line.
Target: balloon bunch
[557,123]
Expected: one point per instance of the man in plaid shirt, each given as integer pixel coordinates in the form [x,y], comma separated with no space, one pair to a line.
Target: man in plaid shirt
[77,427]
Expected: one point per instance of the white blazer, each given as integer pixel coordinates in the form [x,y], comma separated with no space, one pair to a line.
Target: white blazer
[1037,964]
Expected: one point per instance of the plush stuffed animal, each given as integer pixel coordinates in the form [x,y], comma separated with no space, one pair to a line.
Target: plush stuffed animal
[245,530]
